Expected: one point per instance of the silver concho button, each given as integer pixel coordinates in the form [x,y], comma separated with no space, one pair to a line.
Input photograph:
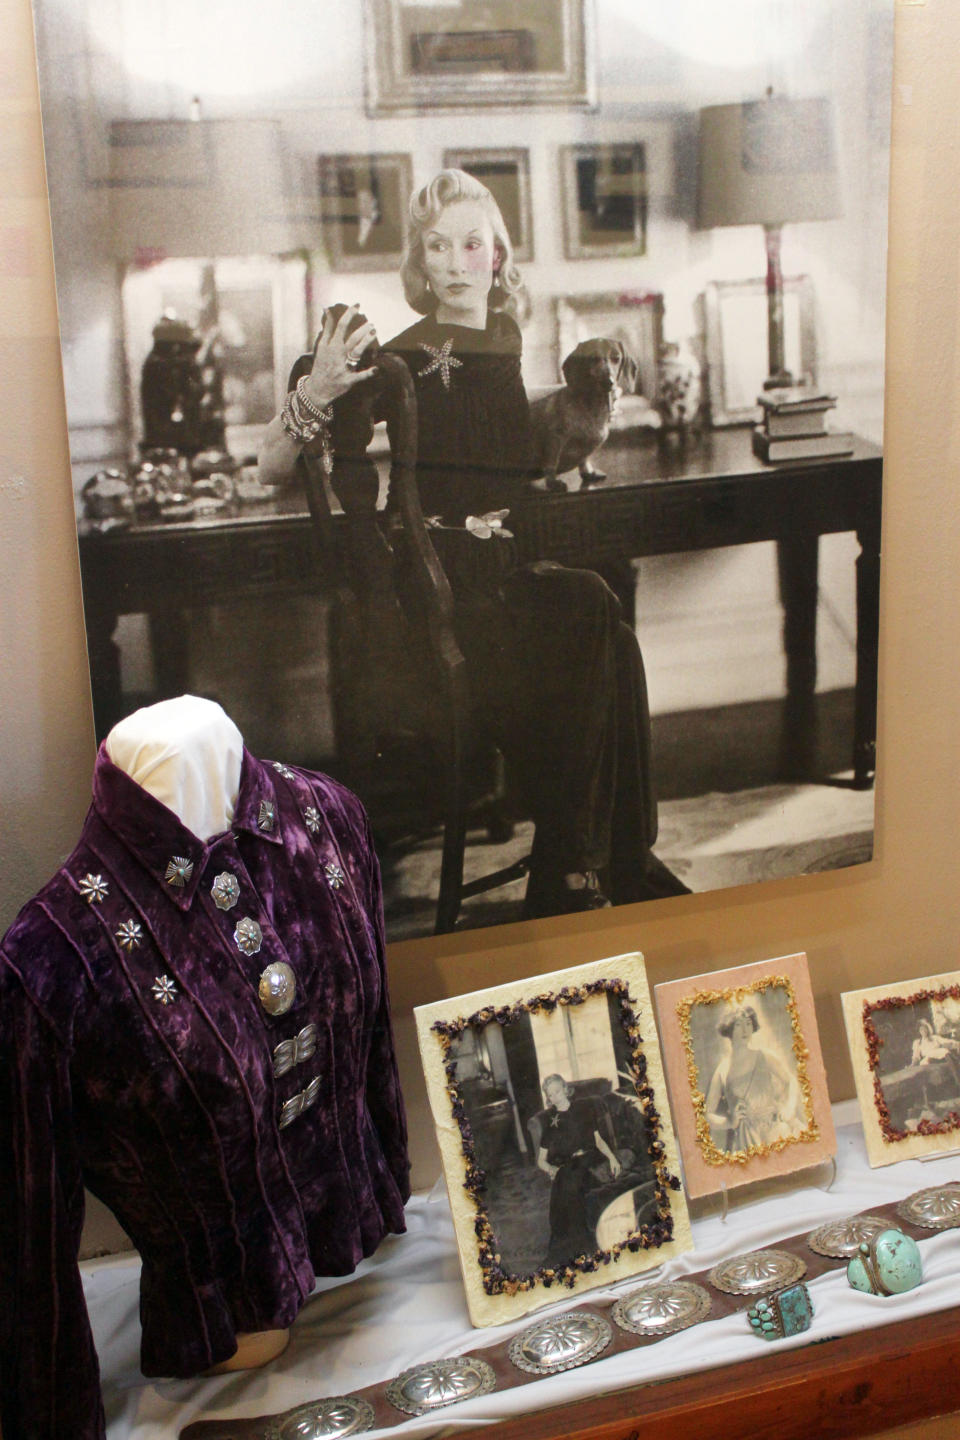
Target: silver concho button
[937,1208]
[225,890]
[561,1343]
[94,888]
[340,1415]
[178,871]
[757,1271]
[248,936]
[842,1238]
[662,1309]
[278,988]
[440,1383]
[267,815]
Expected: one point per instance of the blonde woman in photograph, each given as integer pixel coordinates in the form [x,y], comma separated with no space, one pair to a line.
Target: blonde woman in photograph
[753,1098]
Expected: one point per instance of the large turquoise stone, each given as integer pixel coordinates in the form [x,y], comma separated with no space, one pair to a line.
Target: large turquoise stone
[897,1261]
[795,1308]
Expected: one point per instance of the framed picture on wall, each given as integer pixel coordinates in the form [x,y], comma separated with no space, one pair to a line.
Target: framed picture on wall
[455,57]
[634,317]
[363,206]
[604,200]
[506,174]
[746,1074]
[905,1047]
[735,333]
[551,1114]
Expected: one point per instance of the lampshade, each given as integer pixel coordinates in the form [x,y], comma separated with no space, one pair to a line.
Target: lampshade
[207,188]
[766,162]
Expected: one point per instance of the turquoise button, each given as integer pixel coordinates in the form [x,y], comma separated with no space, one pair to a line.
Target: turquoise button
[892,1268]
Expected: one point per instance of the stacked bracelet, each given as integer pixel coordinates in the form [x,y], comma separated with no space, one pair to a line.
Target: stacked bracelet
[305,423]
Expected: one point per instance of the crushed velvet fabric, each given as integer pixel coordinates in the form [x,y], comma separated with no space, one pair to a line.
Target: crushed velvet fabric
[169,1112]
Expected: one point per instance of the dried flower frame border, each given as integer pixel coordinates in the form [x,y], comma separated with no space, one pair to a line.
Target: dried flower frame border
[736,995]
[874,1043]
[497,1281]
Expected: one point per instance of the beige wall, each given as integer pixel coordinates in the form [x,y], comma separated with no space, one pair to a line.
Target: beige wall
[896,917]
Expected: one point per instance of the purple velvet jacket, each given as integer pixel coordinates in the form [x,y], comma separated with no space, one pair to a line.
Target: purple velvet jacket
[137,1058]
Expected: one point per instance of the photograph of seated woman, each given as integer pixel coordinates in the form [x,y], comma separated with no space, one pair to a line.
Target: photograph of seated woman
[557,680]
[753,1097]
[570,1153]
[919,1064]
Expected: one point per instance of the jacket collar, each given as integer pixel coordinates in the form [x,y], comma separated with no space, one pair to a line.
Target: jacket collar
[156,837]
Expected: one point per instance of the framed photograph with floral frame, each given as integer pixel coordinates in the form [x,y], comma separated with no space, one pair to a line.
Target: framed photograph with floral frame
[551,1112]
[905,1047]
[746,1074]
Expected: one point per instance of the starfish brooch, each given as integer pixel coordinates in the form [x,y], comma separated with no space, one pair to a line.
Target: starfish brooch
[442,363]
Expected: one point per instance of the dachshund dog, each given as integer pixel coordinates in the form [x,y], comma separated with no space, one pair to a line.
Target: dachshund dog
[569,425]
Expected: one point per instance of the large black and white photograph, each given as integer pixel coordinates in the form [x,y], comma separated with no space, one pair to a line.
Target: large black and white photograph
[563,555]
[560,1159]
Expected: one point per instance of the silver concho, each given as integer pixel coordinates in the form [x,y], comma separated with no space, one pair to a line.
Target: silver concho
[178,871]
[324,1420]
[248,936]
[841,1238]
[283,770]
[439,1383]
[130,934]
[757,1271]
[935,1209]
[277,988]
[164,989]
[93,888]
[225,890]
[561,1343]
[267,815]
[662,1309]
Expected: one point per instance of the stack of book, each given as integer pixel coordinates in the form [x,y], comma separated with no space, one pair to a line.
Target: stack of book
[794,426]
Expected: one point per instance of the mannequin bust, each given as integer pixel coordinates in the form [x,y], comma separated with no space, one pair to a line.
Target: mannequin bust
[187,753]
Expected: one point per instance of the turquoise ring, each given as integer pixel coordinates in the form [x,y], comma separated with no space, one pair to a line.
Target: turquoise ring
[887,1264]
[786,1312]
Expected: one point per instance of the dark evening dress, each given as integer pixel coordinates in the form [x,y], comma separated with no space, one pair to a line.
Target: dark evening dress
[568,1138]
[557,679]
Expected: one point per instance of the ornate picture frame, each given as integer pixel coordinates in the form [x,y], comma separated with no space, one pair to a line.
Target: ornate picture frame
[506,174]
[735,339]
[558,1152]
[604,200]
[363,205]
[904,1043]
[435,57]
[746,1074]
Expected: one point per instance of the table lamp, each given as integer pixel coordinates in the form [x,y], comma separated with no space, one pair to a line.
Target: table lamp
[766,162]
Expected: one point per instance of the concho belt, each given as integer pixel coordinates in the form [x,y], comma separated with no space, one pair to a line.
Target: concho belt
[641,1316]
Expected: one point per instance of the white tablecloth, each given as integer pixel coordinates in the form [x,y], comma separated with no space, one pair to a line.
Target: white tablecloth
[405,1305]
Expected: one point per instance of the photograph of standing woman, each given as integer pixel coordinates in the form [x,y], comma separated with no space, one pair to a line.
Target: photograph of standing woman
[753,1096]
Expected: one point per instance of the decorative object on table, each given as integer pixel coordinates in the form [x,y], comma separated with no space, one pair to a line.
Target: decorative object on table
[768,162]
[843,1238]
[662,1309]
[785,1313]
[732,313]
[332,1419]
[904,1043]
[633,317]
[794,426]
[181,390]
[363,201]
[679,394]
[569,425]
[601,1199]
[746,1075]
[604,200]
[561,1342]
[439,1383]
[936,1208]
[469,55]
[108,499]
[757,1270]
[506,174]
[886,1264]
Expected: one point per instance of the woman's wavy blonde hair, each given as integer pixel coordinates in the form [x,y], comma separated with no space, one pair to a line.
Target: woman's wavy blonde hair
[448,188]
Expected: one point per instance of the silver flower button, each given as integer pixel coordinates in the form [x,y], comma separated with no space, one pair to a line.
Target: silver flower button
[164,989]
[334,874]
[225,891]
[130,934]
[248,936]
[94,888]
[283,770]
[178,872]
[312,817]
[278,988]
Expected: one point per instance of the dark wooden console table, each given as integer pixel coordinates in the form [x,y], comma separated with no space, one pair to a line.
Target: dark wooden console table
[657,500]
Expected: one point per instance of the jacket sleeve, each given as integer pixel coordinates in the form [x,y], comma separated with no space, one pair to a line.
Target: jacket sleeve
[49,1376]
[384,1099]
